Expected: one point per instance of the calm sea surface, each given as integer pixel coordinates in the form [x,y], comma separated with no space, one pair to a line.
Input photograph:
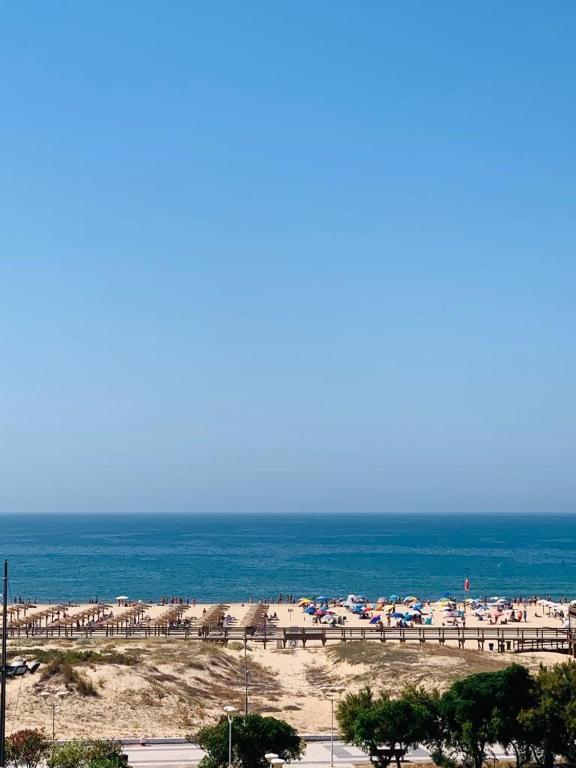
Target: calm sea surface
[232,557]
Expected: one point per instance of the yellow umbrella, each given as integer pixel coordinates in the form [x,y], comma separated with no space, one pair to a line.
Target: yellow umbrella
[304,601]
[411,599]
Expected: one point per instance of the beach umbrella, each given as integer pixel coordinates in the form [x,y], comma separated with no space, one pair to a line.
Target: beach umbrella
[358,609]
[411,599]
[304,600]
[388,608]
[394,598]
[375,619]
[397,615]
[310,610]
[122,597]
[320,612]
[417,606]
[322,599]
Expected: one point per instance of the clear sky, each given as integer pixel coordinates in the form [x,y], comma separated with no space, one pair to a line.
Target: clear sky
[276,256]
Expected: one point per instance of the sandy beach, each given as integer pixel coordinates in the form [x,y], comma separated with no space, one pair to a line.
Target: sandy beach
[542,614]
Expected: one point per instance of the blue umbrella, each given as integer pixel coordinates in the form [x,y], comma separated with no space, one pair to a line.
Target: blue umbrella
[397,615]
[417,606]
[394,598]
[322,599]
[311,609]
[374,619]
[358,609]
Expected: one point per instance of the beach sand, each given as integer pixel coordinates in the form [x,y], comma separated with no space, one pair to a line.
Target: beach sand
[293,616]
[168,687]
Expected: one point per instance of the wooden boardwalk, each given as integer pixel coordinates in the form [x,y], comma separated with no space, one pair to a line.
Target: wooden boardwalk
[491,638]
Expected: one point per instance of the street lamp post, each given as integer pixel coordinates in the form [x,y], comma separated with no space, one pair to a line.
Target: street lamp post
[245,675]
[3,670]
[52,700]
[332,694]
[230,711]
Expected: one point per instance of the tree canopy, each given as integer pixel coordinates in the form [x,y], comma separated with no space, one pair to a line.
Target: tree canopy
[533,716]
[252,737]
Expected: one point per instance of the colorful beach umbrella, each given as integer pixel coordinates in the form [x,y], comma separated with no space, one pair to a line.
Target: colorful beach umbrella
[375,619]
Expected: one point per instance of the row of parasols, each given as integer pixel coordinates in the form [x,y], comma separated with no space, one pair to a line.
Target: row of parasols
[410,609]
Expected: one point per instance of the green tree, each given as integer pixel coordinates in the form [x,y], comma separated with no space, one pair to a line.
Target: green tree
[474,712]
[252,737]
[26,748]
[550,723]
[427,705]
[514,690]
[348,709]
[384,727]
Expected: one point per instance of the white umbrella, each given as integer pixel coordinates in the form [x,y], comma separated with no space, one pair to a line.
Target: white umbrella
[122,597]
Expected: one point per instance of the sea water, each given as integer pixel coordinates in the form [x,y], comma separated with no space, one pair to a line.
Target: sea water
[235,557]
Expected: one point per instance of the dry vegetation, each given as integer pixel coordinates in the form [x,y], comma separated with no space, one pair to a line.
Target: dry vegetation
[396,665]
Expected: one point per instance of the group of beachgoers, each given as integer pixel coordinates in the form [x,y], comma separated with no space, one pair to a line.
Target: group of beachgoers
[410,611]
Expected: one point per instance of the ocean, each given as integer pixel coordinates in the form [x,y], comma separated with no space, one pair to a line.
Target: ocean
[233,557]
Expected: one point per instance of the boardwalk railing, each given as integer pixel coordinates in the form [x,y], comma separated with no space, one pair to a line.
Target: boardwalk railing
[572,630]
[500,638]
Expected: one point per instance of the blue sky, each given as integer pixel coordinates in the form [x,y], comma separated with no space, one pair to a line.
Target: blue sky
[282,257]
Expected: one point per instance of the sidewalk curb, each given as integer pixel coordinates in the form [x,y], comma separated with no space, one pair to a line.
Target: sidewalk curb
[307,737]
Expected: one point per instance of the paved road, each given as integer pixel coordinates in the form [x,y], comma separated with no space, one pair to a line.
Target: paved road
[317,754]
